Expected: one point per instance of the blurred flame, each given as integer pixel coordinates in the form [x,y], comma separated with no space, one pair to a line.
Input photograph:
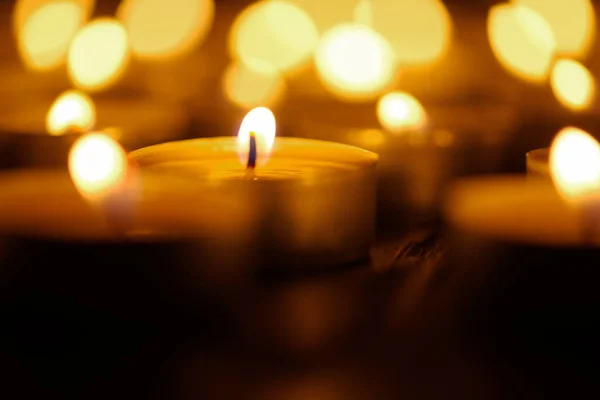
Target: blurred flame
[419,31]
[261,122]
[274,34]
[72,109]
[573,23]
[354,62]
[45,34]
[573,85]
[160,29]
[329,13]
[575,163]
[399,111]
[23,9]
[97,164]
[250,88]
[363,13]
[521,40]
[98,54]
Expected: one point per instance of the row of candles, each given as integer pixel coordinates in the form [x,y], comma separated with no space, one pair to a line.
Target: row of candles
[285,201]
[417,151]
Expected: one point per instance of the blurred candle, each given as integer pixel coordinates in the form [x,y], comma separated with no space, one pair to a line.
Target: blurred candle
[420,148]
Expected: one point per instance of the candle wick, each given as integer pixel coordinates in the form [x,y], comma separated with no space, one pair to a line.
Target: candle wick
[252,153]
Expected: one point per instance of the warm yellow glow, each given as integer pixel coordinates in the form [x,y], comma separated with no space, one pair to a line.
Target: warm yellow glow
[354,62]
[419,31]
[261,122]
[573,23]
[98,55]
[97,164]
[72,109]
[573,85]
[161,29]
[363,12]
[370,138]
[250,88]
[46,33]
[273,34]
[521,40]
[327,13]
[575,163]
[23,9]
[399,111]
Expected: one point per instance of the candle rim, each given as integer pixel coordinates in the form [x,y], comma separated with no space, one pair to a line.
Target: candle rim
[58,211]
[227,146]
[546,220]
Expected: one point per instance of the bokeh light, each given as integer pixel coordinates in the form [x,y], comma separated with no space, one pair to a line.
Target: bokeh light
[575,163]
[354,62]
[573,23]
[363,13]
[45,35]
[98,54]
[160,29]
[419,31]
[522,41]
[97,164]
[273,34]
[249,88]
[23,9]
[573,85]
[398,112]
[71,110]
[329,13]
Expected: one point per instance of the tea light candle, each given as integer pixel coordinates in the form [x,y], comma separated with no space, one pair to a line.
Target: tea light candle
[108,206]
[41,133]
[538,163]
[420,149]
[521,274]
[313,201]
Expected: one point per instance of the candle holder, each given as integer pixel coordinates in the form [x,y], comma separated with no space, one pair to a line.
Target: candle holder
[415,166]
[135,121]
[313,203]
[538,163]
[522,279]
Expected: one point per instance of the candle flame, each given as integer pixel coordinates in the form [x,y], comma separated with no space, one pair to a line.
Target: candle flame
[98,165]
[575,163]
[522,41]
[98,54]
[399,111]
[44,31]
[71,110]
[261,123]
[573,85]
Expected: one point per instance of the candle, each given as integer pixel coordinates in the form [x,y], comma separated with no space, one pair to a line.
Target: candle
[522,266]
[25,140]
[113,222]
[537,163]
[420,149]
[313,201]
